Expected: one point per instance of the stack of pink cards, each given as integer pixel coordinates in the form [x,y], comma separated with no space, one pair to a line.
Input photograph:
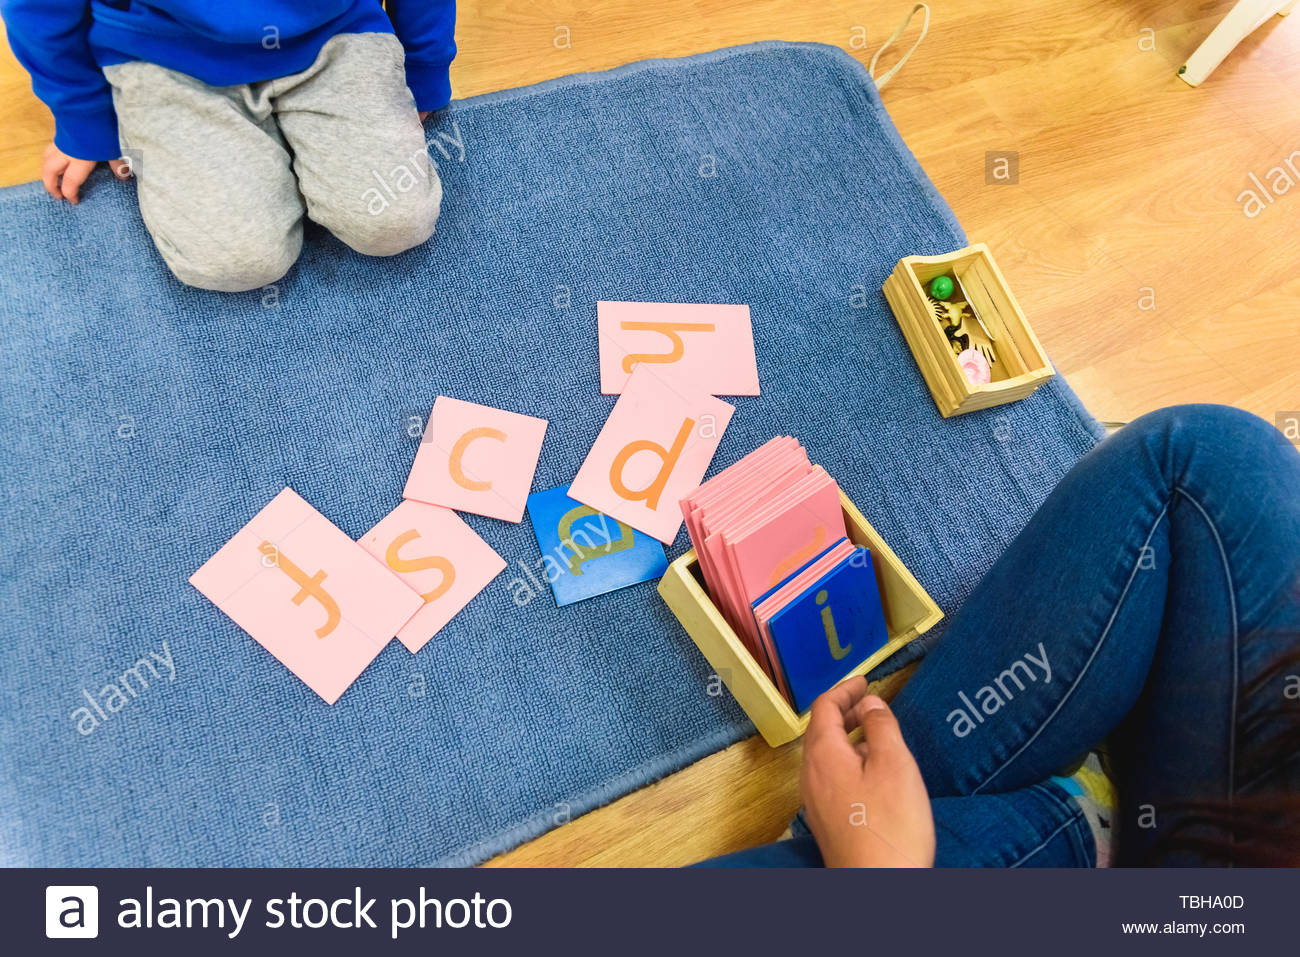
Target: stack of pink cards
[755,524]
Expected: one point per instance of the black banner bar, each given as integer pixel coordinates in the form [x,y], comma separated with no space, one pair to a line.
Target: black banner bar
[794,913]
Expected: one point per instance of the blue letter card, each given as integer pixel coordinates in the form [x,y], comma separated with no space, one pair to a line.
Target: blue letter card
[585,552]
[830,629]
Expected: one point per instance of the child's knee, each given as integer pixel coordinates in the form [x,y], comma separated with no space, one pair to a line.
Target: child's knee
[403,224]
[234,263]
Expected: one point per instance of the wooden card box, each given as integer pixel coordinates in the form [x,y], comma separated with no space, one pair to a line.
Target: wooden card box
[1022,365]
[909,612]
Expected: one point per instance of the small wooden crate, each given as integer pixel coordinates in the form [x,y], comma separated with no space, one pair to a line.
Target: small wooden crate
[1022,365]
[909,612]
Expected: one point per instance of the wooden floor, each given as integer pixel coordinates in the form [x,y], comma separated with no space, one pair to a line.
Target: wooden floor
[1127,199]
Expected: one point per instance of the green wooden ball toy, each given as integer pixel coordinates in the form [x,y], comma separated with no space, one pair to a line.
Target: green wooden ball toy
[941,287]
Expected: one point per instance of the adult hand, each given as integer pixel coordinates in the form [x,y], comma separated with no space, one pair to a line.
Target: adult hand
[866,802]
[63,175]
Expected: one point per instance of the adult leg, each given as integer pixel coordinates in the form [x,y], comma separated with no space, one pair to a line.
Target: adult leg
[1160,578]
[358,146]
[1038,826]
[215,186]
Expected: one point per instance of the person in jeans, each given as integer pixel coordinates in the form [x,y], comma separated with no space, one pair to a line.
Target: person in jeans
[1151,605]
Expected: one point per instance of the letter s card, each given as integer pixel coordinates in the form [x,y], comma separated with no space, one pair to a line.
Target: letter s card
[434,551]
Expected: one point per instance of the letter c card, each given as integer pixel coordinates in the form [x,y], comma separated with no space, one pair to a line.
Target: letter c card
[476,459]
[653,450]
[436,553]
[307,593]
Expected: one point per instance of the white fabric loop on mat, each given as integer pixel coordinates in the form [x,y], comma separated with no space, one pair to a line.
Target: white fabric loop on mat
[925,26]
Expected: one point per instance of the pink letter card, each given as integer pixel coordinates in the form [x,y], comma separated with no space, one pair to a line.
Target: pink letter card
[436,553]
[477,459]
[307,593]
[710,347]
[653,450]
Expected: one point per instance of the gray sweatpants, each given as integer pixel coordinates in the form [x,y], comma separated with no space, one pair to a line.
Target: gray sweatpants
[226,173]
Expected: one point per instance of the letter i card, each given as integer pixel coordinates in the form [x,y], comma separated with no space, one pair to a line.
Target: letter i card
[307,593]
[829,628]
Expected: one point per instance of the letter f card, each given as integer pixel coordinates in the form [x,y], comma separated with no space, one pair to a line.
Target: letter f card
[307,593]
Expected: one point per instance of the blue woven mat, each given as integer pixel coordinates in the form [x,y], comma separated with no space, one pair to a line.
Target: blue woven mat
[143,422]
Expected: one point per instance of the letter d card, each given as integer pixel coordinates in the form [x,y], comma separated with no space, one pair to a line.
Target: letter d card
[653,450]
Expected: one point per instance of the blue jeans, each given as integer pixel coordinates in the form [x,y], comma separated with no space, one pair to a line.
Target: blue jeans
[1153,602]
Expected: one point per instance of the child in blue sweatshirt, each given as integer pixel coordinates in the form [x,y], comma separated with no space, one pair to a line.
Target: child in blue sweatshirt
[238,117]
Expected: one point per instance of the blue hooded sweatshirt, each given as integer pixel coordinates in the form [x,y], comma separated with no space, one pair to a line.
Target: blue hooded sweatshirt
[64,44]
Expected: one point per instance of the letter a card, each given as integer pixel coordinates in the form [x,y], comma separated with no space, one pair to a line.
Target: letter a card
[586,553]
[436,553]
[307,593]
[653,450]
[476,459]
[711,347]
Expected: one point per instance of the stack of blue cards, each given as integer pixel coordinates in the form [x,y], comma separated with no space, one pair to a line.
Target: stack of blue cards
[821,622]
